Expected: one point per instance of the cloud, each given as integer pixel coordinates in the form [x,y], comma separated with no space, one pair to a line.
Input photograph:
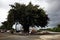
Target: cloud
[54,12]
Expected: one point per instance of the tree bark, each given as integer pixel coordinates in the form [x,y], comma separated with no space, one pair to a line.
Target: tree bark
[26,29]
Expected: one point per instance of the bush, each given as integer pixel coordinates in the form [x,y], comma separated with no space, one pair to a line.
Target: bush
[55,29]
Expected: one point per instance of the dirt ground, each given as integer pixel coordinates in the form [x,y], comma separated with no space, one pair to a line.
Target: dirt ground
[7,36]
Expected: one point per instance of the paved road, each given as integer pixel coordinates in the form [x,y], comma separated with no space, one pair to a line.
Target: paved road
[17,37]
[30,37]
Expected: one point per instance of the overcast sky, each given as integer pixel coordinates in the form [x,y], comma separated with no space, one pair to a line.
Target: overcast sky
[52,8]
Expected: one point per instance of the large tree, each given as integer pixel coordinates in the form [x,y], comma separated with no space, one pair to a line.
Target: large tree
[27,15]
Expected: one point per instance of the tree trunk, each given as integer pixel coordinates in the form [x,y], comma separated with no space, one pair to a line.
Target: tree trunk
[26,29]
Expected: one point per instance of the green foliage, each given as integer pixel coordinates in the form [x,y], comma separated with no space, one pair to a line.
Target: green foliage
[56,29]
[49,29]
[5,25]
[27,16]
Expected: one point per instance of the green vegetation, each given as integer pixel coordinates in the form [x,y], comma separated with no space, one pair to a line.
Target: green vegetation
[5,26]
[55,29]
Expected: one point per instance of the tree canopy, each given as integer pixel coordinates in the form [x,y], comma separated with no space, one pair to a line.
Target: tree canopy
[27,15]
